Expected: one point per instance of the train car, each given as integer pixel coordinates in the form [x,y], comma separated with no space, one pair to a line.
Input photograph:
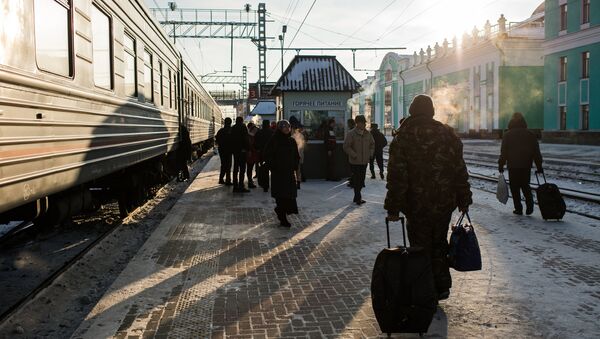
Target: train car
[201,114]
[91,99]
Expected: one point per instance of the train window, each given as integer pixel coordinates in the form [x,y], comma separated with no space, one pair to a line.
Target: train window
[52,38]
[170,90]
[148,78]
[160,70]
[177,90]
[101,45]
[130,66]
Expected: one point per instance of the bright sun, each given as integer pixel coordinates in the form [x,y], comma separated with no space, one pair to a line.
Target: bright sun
[458,17]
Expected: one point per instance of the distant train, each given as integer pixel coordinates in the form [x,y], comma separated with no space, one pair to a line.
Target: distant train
[92,99]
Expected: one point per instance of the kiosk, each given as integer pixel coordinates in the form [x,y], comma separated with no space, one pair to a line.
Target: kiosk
[316,89]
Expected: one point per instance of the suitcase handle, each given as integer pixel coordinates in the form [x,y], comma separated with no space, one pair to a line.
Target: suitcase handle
[538,179]
[387,228]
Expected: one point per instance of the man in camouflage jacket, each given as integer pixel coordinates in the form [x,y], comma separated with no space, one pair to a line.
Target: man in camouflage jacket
[427,179]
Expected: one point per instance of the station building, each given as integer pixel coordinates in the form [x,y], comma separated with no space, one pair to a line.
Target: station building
[571,111]
[477,82]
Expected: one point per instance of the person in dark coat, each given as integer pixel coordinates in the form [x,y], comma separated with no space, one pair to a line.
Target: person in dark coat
[223,138]
[380,143]
[183,153]
[239,146]
[252,156]
[519,150]
[282,158]
[263,136]
[330,142]
[350,125]
[427,179]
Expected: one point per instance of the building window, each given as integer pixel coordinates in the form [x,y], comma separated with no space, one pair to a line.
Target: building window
[52,38]
[585,12]
[563,69]
[101,46]
[563,117]
[130,81]
[585,65]
[585,117]
[563,17]
[148,76]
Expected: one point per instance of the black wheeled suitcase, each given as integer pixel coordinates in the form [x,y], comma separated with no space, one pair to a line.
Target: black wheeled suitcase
[551,202]
[402,288]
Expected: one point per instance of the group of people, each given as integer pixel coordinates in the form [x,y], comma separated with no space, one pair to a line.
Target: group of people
[278,151]
[427,177]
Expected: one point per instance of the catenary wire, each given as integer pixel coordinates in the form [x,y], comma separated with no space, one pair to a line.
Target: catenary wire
[295,35]
[368,21]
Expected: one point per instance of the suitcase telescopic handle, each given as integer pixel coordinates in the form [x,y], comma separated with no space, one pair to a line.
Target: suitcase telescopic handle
[387,228]
[538,179]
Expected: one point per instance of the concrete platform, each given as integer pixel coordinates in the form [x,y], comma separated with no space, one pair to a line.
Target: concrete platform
[219,266]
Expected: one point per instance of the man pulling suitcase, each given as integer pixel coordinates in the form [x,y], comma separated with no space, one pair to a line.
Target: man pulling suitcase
[428,193]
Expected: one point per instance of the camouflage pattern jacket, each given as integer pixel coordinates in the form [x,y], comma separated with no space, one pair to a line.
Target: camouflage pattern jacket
[427,176]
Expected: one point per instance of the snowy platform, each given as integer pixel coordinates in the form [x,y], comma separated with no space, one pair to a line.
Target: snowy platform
[219,266]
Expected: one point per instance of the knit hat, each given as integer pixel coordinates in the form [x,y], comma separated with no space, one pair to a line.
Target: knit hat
[283,123]
[422,105]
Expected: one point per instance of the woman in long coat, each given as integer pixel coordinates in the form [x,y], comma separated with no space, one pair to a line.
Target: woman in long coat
[282,158]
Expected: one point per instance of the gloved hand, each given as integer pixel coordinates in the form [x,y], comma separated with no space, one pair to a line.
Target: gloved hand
[540,171]
[463,209]
[393,217]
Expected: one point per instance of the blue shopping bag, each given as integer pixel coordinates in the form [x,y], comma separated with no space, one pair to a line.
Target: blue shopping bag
[464,254]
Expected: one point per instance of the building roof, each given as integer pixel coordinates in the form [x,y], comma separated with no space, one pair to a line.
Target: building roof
[264,107]
[316,73]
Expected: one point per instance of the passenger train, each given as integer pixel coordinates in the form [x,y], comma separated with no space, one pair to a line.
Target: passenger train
[93,96]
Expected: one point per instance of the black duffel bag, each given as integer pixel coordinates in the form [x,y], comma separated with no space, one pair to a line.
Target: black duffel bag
[464,254]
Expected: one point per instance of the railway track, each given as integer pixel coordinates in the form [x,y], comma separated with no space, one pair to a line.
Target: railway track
[591,175]
[19,229]
[7,312]
[569,193]
[26,230]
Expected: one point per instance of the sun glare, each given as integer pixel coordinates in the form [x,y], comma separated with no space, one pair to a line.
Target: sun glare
[456,18]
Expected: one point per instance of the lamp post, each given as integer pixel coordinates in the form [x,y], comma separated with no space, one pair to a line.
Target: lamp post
[281,41]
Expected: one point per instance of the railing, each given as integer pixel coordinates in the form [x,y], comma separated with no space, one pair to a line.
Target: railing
[214,16]
[522,29]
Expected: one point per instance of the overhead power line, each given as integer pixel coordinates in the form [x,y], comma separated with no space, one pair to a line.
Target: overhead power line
[274,16]
[409,20]
[295,34]
[368,21]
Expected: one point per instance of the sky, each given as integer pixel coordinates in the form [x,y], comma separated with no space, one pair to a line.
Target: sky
[413,24]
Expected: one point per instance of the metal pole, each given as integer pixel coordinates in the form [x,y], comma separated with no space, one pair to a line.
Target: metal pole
[281,43]
[231,63]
